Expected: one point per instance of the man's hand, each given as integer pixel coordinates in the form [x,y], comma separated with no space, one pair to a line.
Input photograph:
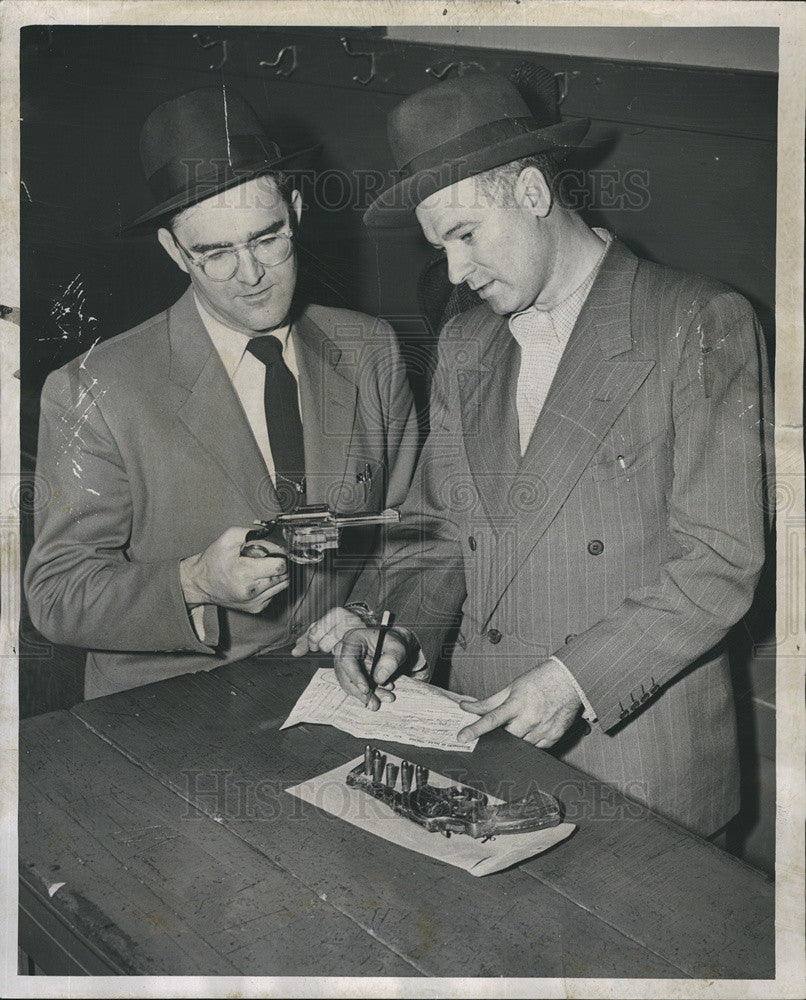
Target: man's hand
[538,706]
[353,661]
[221,575]
[327,632]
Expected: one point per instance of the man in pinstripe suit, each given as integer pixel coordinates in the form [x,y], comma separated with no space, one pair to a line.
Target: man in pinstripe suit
[589,495]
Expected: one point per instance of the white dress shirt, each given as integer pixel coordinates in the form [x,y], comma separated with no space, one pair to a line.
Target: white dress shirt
[542,335]
[248,374]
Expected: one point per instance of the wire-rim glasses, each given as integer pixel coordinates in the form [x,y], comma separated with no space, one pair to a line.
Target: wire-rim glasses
[270,250]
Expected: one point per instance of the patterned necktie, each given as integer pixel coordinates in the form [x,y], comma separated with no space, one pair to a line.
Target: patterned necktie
[282,421]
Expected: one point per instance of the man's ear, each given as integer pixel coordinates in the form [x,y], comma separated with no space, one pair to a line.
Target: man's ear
[533,192]
[296,204]
[170,247]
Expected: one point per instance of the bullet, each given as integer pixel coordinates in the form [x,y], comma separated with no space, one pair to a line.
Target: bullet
[368,761]
[421,776]
[378,765]
[406,773]
[391,774]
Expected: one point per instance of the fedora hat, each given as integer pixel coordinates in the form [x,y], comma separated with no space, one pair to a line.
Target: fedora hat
[201,143]
[459,128]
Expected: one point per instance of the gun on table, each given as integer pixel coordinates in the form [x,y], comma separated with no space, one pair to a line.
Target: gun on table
[453,809]
[308,532]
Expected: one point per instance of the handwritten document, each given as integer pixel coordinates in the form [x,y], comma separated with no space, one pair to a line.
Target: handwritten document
[421,714]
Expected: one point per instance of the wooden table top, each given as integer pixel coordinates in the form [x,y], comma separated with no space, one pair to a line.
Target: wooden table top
[160,815]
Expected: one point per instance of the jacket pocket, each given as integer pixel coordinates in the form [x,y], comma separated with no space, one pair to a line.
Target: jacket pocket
[360,489]
[622,461]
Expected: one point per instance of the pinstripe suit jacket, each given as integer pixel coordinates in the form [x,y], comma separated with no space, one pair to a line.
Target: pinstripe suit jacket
[627,540]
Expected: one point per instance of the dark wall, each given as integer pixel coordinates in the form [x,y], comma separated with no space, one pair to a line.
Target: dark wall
[684,169]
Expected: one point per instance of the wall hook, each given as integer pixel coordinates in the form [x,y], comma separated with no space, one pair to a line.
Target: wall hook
[208,43]
[275,63]
[366,55]
[460,67]
[564,78]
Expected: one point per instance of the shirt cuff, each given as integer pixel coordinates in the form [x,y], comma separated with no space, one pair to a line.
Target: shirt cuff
[197,621]
[419,669]
[588,712]
[204,619]
[416,664]
[421,665]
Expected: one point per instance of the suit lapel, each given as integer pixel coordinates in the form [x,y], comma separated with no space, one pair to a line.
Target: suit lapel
[328,400]
[489,416]
[328,410]
[596,378]
[212,412]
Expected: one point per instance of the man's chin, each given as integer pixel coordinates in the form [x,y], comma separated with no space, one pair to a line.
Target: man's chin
[263,320]
[498,306]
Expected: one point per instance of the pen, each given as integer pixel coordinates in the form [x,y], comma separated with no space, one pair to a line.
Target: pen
[386,622]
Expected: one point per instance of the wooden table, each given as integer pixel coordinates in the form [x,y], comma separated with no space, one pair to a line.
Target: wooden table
[156,838]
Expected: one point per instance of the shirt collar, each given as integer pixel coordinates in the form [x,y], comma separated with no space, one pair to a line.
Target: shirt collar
[231,344]
[558,316]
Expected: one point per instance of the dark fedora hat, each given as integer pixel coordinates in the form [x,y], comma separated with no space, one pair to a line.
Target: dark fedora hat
[204,142]
[459,128]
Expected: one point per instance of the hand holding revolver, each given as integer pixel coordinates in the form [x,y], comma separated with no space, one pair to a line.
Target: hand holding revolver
[221,575]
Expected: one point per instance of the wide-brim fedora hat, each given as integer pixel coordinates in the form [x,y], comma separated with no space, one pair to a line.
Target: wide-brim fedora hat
[458,128]
[204,142]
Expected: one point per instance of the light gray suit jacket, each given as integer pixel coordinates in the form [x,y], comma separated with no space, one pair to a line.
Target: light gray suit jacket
[627,541]
[146,457]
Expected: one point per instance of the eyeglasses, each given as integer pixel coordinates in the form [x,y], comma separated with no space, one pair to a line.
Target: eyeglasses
[221,265]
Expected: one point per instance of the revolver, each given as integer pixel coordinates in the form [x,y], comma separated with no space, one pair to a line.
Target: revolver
[309,531]
[455,809]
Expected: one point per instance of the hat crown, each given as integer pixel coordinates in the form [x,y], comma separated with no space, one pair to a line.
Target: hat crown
[462,127]
[200,126]
[204,142]
[448,110]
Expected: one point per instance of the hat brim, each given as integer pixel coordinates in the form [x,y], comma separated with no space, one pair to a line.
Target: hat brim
[151,219]
[394,208]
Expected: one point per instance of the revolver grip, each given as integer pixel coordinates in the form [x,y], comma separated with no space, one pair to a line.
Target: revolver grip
[252,548]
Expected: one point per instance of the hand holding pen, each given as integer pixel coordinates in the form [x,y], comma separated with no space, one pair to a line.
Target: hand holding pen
[367,659]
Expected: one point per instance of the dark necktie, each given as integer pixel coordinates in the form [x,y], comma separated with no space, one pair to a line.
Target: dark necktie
[282,421]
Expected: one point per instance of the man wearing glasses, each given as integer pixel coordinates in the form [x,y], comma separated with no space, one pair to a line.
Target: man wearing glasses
[161,446]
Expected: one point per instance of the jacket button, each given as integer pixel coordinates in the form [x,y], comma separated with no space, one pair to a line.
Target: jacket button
[472,543]
[570,638]
[494,636]
[596,547]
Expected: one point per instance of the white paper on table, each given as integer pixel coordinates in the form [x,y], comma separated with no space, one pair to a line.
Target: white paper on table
[421,714]
[331,793]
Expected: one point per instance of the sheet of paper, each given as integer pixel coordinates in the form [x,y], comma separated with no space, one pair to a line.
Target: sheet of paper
[421,714]
[331,792]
